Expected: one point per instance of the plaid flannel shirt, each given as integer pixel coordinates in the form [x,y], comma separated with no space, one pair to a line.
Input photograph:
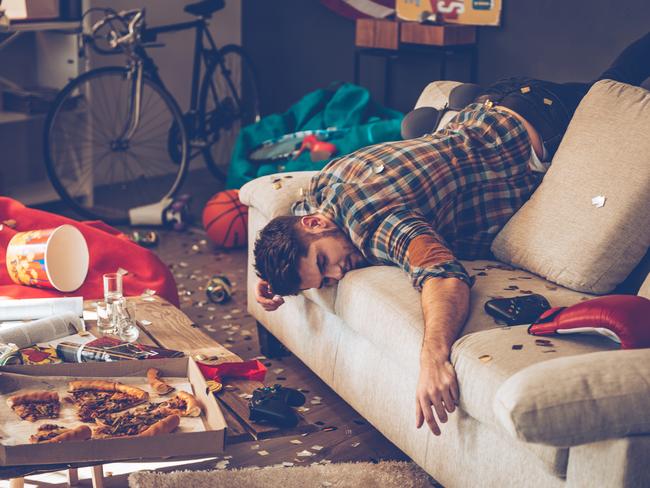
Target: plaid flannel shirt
[457,186]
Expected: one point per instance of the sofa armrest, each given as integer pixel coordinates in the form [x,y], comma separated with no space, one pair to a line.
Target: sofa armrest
[436,94]
[273,195]
[578,399]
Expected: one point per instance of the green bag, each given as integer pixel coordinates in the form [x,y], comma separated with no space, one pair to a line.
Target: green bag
[346,107]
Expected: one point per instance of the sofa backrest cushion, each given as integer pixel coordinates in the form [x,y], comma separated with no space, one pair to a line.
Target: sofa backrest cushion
[588,224]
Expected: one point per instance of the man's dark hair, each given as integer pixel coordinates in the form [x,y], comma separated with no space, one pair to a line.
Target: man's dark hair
[278,249]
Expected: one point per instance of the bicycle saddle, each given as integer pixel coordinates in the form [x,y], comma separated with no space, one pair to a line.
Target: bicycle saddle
[205,8]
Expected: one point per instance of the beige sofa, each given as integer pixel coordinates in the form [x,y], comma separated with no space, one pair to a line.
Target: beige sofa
[576,414]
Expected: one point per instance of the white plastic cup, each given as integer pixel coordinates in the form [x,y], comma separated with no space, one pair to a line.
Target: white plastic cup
[49,258]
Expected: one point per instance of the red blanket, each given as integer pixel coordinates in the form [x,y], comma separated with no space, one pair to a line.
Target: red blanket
[109,250]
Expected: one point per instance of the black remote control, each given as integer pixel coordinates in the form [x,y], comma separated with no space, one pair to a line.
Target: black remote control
[517,310]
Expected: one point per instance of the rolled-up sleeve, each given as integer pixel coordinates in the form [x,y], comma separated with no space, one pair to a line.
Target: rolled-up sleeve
[407,240]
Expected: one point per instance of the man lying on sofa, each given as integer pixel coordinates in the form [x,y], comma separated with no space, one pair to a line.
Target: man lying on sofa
[424,203]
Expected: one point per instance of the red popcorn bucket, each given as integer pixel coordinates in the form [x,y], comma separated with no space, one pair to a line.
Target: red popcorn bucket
[49,258]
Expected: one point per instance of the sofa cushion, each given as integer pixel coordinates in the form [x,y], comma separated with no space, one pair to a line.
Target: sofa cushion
[380,304]
[601,396]
[564,235]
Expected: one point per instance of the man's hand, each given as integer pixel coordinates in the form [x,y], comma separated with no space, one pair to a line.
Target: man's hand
[265,297]
[437,387]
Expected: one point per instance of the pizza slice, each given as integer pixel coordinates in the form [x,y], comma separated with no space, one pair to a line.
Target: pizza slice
[97,398]
[49,433]
[185,404]
[134,422]
[35,405]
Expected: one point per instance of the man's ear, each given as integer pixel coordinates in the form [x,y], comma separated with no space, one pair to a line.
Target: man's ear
[315,223]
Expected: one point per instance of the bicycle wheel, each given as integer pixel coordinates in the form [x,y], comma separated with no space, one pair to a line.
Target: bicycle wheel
[98,169]
[228,101]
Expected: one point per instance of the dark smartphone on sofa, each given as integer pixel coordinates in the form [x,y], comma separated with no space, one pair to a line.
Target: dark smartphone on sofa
[517,310]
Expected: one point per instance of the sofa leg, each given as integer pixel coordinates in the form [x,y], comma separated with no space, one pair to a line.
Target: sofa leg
[270,346]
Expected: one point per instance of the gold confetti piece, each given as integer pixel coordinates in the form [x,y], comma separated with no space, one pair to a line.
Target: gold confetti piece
[263,453]
[485,358]
[525,89]
[378,168]
[317,448]
[214,386]
[199,357]
[122,271]
[255,447]
[287,464]
[145,322]
[295,441]
[277,185]
[152,299]
[83,333]
[315,402]
[278,370]
[149,292]
[355,444]
[489,104]
[305,453]
[548,101]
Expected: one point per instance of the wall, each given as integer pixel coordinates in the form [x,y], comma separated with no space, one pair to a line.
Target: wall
[299,45]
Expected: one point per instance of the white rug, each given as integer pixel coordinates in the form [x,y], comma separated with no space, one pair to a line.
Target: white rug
[386,474]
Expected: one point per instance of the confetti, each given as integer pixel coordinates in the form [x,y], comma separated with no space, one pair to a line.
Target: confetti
[254,447]
[145,322]
[222,464]
[183,264]
[263,453]
[287,464]
[278,370]
[317,447]
[148,292]
[122,271]
[355,444]
[485,358]
[517,347]
[316,402]
[295,441]
[303,409]
[305,453]
[598,201]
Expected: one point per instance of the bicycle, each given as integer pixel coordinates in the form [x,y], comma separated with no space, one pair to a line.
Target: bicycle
[116,141]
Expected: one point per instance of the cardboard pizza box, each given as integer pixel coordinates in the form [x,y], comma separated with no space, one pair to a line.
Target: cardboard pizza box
[206,442]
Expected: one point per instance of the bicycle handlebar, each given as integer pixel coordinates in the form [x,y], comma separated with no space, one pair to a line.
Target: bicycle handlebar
[119,36]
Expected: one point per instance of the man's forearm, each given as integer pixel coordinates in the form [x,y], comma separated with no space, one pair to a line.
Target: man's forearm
[445,304]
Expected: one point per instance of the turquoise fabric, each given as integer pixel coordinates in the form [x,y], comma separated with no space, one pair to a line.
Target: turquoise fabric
[344,106]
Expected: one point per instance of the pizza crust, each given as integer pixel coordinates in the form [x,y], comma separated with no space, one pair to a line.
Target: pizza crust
[157,385]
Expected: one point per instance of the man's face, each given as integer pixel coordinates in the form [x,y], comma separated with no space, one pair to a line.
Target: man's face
[328,259]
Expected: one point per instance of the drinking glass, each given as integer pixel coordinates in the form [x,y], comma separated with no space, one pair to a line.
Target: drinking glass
[112,287]
[127,329]
[105,323]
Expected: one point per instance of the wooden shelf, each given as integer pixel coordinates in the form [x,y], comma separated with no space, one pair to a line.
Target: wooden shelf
[12,117]
[40,26]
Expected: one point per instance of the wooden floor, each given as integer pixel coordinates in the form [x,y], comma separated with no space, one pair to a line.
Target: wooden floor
[343,435]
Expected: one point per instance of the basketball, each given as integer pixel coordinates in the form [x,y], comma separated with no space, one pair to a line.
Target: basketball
[225,219]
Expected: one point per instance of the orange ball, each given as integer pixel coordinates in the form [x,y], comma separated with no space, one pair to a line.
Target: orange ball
[225,219]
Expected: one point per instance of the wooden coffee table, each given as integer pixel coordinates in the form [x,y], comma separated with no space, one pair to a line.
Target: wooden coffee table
[162,324]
